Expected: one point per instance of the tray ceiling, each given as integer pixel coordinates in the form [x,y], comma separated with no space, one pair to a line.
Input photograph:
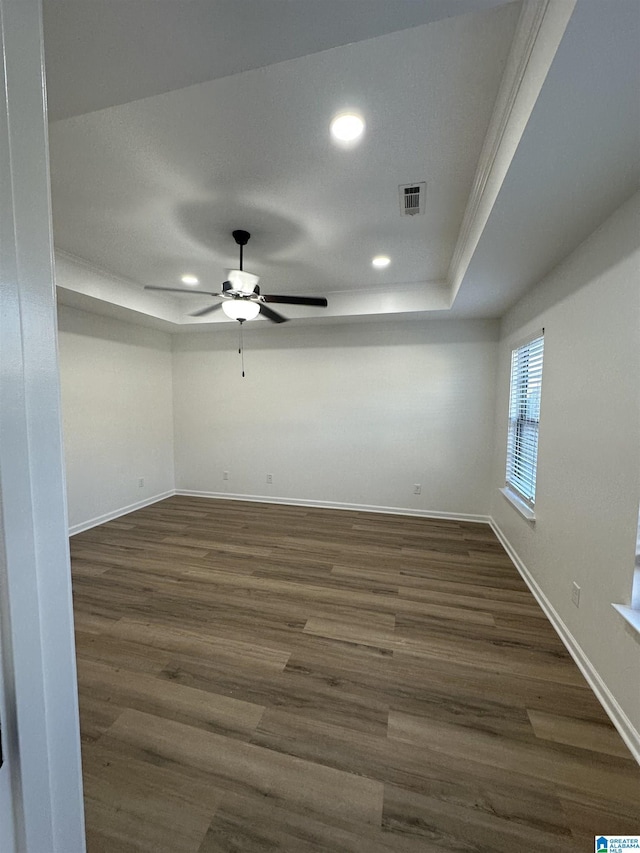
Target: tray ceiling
[154,163]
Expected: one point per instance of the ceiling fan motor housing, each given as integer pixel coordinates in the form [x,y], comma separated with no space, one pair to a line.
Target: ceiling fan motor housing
[241,237]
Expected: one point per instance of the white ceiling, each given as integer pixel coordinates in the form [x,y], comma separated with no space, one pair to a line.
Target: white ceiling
[178,122]
[108,53]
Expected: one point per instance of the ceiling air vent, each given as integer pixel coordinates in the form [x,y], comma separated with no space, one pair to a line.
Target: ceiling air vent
[412,199]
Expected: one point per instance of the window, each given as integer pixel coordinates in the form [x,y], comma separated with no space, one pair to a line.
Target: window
[632,612]
[524,418]
[635,589]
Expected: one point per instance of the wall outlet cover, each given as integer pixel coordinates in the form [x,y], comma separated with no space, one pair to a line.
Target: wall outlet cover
[575,594]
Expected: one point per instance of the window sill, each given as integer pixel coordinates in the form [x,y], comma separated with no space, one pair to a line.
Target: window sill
[630,615]
[519,504]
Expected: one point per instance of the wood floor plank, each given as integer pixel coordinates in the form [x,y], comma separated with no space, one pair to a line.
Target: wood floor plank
[212,712]
[411,767]
[473,684]
[619,780]
[199,643]
[132,805]
[96,715]
[509,640]
[493,657]
[589,816]
[262,677]
[120,652]
[597,737]
[247,768]
[248,824]
[452,826]
[366,635]
[294,688]
[455,599]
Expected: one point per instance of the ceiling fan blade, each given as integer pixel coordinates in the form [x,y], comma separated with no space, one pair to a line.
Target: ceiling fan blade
[318,301]
[182,290]
[206,310]
[272,315]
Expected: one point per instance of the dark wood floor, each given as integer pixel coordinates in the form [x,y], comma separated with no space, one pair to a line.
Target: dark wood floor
[269,678]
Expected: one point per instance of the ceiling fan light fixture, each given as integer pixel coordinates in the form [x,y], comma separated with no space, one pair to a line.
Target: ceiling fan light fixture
[241,309]
[240,297]
[347,128]
[243,281]
[189,279]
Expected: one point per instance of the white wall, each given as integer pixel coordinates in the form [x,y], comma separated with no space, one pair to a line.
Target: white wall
[588,483]
[354,414]
[118,420]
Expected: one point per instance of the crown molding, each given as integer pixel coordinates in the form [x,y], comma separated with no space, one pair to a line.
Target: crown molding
[89,287]
[89,266]
[538,35]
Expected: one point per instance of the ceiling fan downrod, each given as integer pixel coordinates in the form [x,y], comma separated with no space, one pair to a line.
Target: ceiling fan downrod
[242,238]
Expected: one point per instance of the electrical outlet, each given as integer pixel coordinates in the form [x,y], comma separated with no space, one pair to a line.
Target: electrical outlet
[225,475]
[417,489]
[575,594]
[140,482]
[269,478]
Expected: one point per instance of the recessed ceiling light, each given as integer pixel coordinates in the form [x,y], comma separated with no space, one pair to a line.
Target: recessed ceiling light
[347,128]
[381,261]
[189,279]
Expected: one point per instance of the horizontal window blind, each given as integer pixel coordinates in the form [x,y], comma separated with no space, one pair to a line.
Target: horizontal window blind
[524,418]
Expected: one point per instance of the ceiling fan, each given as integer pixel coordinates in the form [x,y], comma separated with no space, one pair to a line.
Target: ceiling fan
[241,297]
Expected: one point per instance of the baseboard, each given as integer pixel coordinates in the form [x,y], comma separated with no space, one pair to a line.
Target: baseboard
[109,516]
[623,724]
[387,510]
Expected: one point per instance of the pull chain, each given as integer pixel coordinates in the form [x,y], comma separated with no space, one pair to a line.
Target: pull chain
[241,344]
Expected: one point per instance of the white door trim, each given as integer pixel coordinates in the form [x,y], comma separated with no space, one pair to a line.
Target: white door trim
[41,780]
